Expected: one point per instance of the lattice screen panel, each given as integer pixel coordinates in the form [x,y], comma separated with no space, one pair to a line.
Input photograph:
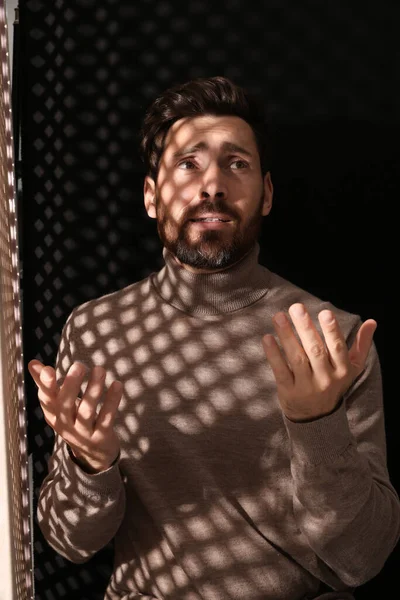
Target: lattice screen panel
[15,547]
[89,70]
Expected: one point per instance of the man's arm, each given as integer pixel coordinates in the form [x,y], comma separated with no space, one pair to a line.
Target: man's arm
[82,499]
[79,513]
[332,404]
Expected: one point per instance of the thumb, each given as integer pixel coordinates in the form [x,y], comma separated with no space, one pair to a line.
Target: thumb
[35,368]
[359,351]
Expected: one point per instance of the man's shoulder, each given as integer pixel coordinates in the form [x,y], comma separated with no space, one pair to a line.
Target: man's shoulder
[112,304]
[284,293]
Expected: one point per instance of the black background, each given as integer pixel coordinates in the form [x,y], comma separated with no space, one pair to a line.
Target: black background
[326,74]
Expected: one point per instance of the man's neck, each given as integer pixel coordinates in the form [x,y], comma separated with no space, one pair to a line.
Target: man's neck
[208,294]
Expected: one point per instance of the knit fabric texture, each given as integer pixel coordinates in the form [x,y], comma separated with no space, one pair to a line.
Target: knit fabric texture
[216,495]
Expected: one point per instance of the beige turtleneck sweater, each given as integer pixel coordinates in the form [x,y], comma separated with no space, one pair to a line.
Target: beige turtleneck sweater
[217,496]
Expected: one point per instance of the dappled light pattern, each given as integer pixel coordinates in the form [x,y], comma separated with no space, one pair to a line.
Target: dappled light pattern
[215,494]
[89,70]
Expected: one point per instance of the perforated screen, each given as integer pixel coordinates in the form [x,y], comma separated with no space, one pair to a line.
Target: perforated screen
[15,547]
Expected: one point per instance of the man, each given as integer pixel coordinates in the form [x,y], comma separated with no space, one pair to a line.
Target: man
[230,437]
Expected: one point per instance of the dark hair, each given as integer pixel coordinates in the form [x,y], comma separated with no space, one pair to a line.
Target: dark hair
[201,96]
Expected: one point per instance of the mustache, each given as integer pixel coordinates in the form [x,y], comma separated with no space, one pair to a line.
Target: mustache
[209,208]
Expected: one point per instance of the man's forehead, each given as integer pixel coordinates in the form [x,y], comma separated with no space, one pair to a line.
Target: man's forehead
[197,129]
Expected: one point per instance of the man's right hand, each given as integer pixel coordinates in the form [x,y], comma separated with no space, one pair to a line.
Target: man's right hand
[89,432]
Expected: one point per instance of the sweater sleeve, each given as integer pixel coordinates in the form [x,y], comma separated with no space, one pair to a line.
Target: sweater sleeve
[344,502]
[78,513]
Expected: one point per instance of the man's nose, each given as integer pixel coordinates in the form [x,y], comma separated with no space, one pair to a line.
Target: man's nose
[213,184]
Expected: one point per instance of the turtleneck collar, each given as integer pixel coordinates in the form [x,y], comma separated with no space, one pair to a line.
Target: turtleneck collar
[204,294]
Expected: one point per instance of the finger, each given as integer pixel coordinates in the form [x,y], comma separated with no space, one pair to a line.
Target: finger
[86,412]
[106,416]
[48,380]
[313,344]
[34,368]
[69,392]
[45,379]
[359,351]
[294,351]
[335,341]
[282,373]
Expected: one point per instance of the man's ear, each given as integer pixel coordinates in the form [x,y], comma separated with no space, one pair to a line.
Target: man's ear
[268,194]
[149,193]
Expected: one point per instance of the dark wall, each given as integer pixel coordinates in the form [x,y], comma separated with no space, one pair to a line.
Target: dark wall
[326,73]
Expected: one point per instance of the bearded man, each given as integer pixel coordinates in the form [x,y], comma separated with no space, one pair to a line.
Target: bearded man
[230,433]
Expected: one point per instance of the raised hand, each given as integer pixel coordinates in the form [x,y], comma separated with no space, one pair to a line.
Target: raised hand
[88,431]
[312,377]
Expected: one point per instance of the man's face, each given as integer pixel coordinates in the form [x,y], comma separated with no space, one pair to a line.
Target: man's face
[210,195]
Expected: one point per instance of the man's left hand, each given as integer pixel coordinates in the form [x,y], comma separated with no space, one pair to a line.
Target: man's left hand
[313,376]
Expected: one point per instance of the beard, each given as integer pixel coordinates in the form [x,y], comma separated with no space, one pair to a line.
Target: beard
[211,249]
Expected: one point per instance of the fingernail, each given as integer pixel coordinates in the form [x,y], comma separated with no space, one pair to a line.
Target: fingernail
[47,375]
[298,310]
[117,386]
[268,340]
[281,319]
[76,370]
[327,316]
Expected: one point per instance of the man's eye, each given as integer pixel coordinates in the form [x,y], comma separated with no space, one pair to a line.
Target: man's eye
[242,164]
[184,163]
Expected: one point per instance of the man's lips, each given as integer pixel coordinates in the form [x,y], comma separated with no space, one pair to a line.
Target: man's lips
[215,224]
[220,216]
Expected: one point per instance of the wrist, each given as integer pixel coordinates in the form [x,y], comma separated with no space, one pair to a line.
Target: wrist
[296,417]
[89,466]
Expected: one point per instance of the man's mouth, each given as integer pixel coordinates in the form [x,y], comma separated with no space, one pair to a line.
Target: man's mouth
[218,223]
[210,220]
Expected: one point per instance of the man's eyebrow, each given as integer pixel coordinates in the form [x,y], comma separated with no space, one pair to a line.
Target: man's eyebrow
[231,147]
[201,146]
[190,149]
